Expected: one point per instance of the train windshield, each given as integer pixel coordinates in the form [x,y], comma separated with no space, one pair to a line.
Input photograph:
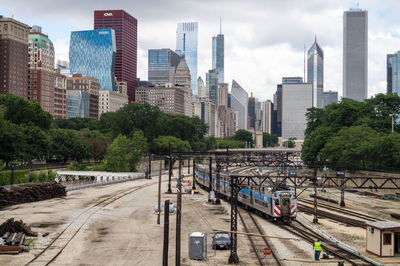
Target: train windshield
[276,202]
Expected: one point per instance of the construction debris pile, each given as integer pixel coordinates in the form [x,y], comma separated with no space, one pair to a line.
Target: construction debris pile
[31,193]
[13,234]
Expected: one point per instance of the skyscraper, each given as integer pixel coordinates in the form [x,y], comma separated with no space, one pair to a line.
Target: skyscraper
[41,69]
[201,87]
[296,99]
[218,55]
[330,97]
[315,72]
[162,64]
[186,44]
[251,110]
[267,116]
[239,100]
[355,54]
[212,85]
[92,54]
[125,27]
[14,56]
[393,72]
[182,74]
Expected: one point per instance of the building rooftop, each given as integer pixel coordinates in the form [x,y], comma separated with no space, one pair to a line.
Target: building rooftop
[384,225]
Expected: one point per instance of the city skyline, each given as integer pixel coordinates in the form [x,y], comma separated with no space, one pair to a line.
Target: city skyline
[244,43]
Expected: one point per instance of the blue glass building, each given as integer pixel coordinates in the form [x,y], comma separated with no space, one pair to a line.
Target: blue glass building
[186,44]
[212,85]
[78,103]
[92,53]
[161,66]
[393,73]
[218,56]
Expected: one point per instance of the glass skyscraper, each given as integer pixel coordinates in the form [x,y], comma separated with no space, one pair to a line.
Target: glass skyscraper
[315,73]
[92,53]
[125,27]
[186,44]
[161,66]
[239,101]
[393,73]
[212,86]
[218,56]
[78,102]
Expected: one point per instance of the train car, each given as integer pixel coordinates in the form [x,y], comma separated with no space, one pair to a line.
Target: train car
[278,204]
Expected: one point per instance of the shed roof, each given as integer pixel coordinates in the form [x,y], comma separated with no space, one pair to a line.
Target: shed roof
[384,225]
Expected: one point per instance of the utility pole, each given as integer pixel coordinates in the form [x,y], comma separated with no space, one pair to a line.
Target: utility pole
[227,159]
[315,220]
[188,165]
[211,179]
[159,194]
[166,233]
[169,191]
[194,174]
[149,173]
[178,216]
[341,174]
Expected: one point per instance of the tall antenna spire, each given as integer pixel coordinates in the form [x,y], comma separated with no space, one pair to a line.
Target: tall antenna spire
[220,25]
[304,77]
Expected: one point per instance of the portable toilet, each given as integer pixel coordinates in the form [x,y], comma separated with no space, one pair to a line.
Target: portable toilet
[197,245]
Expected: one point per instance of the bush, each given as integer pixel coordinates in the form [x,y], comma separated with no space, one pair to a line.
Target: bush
[19,177]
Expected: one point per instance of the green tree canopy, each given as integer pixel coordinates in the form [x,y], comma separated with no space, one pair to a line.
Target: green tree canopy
[117,155]
[161,145]
[244,135]
[270,140]
[20,111]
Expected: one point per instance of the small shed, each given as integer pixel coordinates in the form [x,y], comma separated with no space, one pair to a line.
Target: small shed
[383,238]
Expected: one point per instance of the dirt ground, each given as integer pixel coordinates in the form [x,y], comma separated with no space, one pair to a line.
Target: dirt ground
[125,232]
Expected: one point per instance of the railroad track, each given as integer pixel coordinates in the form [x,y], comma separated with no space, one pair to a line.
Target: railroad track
[342,210]
[298,229]
[339,215]
[60,242]
[258,243]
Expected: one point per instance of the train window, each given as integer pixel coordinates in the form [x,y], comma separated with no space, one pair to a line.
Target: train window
[276,202]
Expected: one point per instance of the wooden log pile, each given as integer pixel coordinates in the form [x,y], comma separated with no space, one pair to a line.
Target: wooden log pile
[14,234]
[31,193]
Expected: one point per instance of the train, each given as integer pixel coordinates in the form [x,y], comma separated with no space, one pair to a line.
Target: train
[280,205]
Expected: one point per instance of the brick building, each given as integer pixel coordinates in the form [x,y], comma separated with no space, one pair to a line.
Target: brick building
[14,55]
[41,69]
[60,95]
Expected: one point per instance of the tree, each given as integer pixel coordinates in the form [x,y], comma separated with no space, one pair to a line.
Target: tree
[314,143]
[137,149]
[66,144]
[20,111]
[117,155]
[161,145]
[270,140]
[351,148]
[244,135]
[290,143]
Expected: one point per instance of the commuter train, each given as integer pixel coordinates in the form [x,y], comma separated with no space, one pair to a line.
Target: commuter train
[279,204]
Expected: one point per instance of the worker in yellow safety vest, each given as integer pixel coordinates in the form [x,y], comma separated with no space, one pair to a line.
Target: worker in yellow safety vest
[317,249]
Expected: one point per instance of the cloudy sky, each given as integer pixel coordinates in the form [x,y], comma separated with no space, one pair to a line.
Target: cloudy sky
[264,39]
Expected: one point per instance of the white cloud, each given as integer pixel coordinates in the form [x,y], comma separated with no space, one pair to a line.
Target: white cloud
[264,39]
